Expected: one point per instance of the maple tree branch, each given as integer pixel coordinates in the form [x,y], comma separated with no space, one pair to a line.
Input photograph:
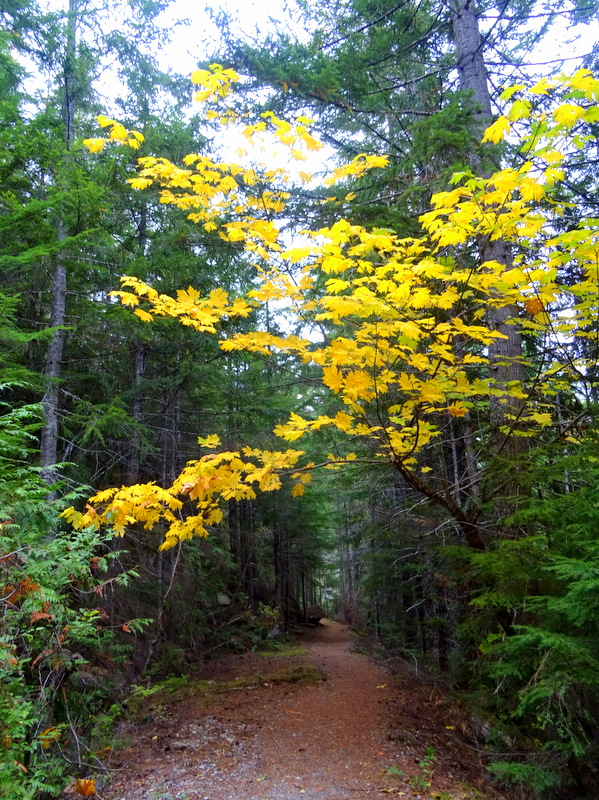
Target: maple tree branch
[467,525]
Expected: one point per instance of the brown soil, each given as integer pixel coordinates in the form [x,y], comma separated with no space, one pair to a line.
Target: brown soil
[360,734]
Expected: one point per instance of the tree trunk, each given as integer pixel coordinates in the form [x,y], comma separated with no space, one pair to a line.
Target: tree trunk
[470,61]
[234,539]
[241,543]
[54,354]
[282,566]
[139,366]
[505,354]
[248,557]
[52,371]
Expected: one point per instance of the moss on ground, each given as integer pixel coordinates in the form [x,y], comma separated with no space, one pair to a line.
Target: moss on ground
[148,703]
[302,673]
[284,651]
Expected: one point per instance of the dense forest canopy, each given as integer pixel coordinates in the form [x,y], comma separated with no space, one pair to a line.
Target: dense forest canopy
[363,383]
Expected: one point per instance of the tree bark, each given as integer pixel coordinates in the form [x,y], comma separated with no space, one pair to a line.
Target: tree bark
[54,354]
[282,566]
[470,60]
[505,354]
[139,367]
[52,372]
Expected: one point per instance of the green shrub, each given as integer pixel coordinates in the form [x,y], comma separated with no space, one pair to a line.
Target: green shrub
[58,650]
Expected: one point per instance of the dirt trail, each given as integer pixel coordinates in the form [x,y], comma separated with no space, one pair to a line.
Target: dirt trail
[333,740]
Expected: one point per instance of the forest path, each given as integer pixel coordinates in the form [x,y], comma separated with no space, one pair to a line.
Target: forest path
[335,739]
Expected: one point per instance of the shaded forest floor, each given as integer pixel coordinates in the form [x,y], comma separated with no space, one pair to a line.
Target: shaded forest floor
[320,723]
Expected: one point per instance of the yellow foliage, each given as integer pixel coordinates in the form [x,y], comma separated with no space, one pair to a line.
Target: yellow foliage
[85,787]
[216,83]
[94,145]
[411,312]
[497,131]
[143,315]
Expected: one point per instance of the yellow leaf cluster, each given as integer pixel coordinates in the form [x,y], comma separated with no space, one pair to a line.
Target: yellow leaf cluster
[407,347]
[215,82]
[356,168]
[117,134]
[205,483]
[295,136]
[200,313]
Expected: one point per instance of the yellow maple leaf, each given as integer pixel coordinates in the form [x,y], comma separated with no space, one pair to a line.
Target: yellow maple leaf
[85,787]
[457,409]
[143,315]
[357,385]
[127,299]
[333,378]
[211,442]
[336,285]
[118,132]
[343,421]
[431,392]
[541,418]
[94,145]
[49,736]
[567,114]
[498,130]
[140,183]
